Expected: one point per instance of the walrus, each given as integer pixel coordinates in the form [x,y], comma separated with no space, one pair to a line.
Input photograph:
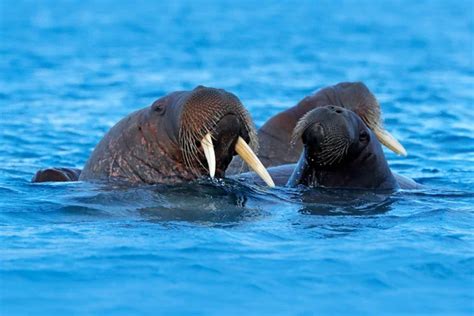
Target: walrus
[339,151]
[275,136]
[58,174]
[180,137]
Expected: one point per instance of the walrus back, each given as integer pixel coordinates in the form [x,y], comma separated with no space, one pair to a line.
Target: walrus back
[107,158]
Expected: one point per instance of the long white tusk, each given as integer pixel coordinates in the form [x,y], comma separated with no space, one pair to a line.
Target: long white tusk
[247,155]
[208,148]
[389,141]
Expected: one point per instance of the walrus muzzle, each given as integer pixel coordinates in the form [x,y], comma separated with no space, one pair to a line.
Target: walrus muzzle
[223,127]
[329,135]
[228,143]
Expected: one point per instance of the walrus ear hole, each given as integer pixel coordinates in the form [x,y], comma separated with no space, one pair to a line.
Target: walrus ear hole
[158,107]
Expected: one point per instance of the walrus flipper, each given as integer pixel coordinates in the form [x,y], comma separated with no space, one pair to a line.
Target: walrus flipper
[57,175]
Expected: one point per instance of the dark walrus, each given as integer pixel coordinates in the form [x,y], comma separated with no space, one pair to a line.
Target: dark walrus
[274,136]
[180,137]
[339,151]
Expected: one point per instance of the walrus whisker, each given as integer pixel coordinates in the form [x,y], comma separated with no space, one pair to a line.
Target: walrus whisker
[188,138]
[195,125]
[332,151]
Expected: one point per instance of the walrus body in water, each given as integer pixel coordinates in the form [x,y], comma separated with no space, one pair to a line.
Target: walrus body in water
[339,151]
[180,137]
[275,136]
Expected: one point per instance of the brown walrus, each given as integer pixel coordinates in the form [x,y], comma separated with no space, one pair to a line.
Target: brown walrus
[339,151]
[59,174]
[274,136]
[180,137]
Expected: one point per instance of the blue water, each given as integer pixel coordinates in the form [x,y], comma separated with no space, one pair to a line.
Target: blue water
[70,69]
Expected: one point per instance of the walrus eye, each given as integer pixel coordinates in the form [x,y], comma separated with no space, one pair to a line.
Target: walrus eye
[158,107]
[364,136]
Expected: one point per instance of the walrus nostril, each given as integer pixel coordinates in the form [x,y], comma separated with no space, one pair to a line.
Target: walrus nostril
[336,109]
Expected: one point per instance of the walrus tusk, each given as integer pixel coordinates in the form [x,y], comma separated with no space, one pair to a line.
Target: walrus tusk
[247,155]
[208,148]
[389,141]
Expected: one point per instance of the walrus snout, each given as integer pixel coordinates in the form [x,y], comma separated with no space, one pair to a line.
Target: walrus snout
[326,123]
[217,121]
[231,139]
[326,133]
[314,134]
[225,135]
[335,109]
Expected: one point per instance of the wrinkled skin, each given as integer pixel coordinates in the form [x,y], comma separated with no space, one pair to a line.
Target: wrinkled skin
[339,151]
[160,143]
[274,137]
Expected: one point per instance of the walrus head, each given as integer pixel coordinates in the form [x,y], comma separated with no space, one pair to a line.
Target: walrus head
[356,97]
[275,135]
[339,151]
[180,137]
[213,126]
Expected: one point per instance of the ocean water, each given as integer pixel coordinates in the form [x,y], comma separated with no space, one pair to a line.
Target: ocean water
[70,69]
